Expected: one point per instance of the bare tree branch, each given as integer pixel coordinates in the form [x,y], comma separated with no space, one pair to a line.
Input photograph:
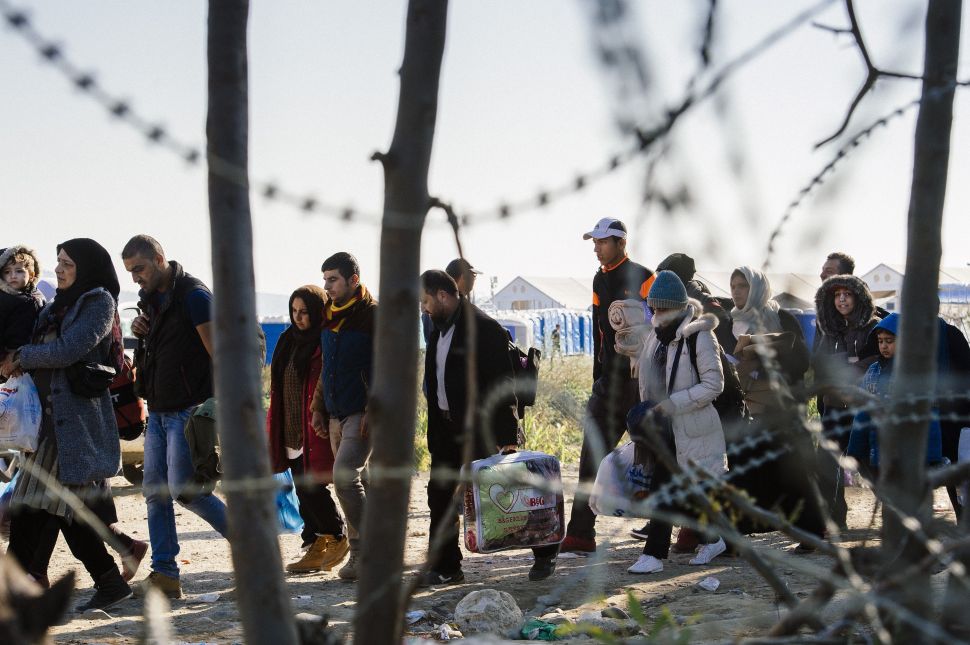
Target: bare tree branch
[873,73]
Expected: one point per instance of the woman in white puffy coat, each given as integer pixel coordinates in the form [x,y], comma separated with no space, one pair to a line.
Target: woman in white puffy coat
[696,424]
[685,397]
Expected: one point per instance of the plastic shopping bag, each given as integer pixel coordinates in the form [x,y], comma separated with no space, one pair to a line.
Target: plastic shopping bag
[513,501]
[6,493]
[287,504]
[19,414]
[621,485]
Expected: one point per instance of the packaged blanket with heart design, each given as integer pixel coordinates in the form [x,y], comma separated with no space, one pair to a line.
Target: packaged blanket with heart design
[513,501]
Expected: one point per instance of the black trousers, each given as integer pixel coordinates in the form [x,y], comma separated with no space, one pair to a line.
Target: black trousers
[604,424]
[835,426]
[317,508]
[32,537]
[658,531]
[784,482]
[445,465]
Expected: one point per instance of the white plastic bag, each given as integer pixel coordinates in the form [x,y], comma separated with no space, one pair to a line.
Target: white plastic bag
[621,485]
[19,414]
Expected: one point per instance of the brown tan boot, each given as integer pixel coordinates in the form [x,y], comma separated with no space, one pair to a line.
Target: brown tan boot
[168,585]
[336,551]
[325,553]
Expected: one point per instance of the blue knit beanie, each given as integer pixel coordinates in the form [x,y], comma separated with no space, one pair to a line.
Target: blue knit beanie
[667,292]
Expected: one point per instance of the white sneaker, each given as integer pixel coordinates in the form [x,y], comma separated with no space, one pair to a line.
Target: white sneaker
[708,552]
[646,564]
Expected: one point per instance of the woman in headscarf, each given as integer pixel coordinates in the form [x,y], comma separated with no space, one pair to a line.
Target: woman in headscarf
[78,443]
[293,443]
[769,338]
[844,349]
[772,360]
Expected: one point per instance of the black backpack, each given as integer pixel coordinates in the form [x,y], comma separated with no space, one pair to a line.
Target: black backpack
[526,369]
[729,404]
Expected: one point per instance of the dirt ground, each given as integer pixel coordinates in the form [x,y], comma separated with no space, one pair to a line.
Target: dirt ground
[742,605]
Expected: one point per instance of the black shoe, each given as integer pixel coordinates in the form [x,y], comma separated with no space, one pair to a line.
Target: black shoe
[109,590]
[543,568]
[436,579]
[641,534]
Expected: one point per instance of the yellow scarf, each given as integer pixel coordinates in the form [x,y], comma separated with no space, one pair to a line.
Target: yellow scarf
[335,312]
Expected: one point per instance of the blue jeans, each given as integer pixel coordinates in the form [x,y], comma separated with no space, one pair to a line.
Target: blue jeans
[168,468]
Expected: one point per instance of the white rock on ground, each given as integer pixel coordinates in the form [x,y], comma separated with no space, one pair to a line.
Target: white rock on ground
[487,611]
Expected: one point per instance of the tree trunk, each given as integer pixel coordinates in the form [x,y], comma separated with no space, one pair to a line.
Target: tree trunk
[903,441]
[391,410]
[262,598]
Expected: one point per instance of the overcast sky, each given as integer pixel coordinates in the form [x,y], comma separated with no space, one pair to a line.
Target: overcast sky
[524,106]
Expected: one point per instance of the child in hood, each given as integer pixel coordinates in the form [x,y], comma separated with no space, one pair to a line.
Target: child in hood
[20,300]
[864,437]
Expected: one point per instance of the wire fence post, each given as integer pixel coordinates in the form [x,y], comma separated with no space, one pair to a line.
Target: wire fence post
[392,407]
[263,601]
[903,440]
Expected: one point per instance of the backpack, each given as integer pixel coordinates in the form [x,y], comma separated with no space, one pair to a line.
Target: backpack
[200,434]
[131,413]
[730,405]
[526,374]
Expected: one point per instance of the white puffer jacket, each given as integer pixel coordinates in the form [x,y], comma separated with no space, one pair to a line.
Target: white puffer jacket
[697,427]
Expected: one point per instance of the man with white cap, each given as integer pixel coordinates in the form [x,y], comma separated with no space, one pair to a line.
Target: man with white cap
[615,391]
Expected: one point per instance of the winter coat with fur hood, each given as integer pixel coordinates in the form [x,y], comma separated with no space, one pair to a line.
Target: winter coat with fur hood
[844,341]
[18,308]
[696,424]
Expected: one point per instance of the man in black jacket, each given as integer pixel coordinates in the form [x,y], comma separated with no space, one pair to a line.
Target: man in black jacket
[174,375]
[615,390]
[495,424]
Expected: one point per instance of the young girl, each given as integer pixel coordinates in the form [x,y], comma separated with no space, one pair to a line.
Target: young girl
[20,300]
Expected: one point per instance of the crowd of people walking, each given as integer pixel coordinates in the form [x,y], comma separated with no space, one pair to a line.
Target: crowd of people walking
[705,374]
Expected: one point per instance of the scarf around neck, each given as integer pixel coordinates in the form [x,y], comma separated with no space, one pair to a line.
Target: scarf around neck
[336,315]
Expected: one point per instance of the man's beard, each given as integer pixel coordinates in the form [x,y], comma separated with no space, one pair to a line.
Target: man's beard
[440,320]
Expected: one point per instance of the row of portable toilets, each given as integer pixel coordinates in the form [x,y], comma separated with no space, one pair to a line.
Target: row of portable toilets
[533,328]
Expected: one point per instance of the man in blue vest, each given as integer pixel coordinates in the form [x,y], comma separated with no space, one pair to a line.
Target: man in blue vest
[339,404]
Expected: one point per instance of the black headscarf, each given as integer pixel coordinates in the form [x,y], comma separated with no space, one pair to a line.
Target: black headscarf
[94,269]
[298,343]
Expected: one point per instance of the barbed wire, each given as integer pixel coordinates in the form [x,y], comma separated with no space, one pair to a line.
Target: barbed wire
[693,481]
[155,133]
[854,142]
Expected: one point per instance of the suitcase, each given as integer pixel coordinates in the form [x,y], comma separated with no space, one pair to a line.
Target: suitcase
[513,501]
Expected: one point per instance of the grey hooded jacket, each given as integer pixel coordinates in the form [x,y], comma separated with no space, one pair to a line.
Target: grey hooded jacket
[88,448]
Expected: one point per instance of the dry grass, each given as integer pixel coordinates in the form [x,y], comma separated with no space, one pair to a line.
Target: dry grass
[554,425]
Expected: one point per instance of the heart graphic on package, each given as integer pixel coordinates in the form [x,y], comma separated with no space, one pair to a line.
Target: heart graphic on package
[504,499]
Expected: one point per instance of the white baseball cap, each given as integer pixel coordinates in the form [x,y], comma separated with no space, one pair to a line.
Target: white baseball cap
[606,227]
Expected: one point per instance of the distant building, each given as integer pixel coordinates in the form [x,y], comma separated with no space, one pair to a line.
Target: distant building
[528,293]
[885,281]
